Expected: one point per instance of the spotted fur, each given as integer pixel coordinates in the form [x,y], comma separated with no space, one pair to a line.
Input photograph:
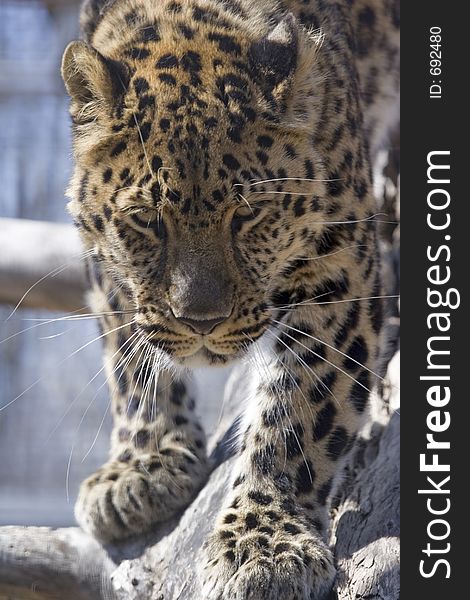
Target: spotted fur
[223,187]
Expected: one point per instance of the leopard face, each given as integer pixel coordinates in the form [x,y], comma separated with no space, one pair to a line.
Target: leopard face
[191,184]
[223,188]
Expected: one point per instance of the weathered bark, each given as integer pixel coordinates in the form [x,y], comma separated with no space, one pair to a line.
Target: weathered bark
[163,565]
[366,526]
[37,563]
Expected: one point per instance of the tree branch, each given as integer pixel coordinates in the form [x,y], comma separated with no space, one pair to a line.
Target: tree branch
[44,258]
[37,563]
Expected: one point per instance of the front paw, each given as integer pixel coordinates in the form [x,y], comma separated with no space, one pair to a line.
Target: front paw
[124,500]
[268,565]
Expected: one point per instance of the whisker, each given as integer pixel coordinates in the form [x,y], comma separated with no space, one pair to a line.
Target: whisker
[67,473]
[283,193]
[292,428]
[123,362]
[300,303]
[119,327]
[262,181]
[86,316]
[124,87]
[54,335]
[52,273]
[99,430]
[144,365]
[330,346]
[306,366]
[145,383]
[2,408]
[153,394]
[143,145]
[293,379]
[332,253]
[327,362]
[17,333]
[132,378]
[71,317]
[245,201]
[120,349]
[133,188]
[308,303]
[160,179]
[72,449]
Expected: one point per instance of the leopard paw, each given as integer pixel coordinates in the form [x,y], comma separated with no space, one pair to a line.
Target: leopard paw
[260,567]
[120,501]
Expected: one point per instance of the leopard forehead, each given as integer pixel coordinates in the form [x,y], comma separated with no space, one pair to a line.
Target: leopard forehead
[189,133]
[202,115]
[191,110]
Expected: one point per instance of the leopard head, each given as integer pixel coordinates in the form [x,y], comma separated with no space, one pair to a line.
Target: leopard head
[195,184]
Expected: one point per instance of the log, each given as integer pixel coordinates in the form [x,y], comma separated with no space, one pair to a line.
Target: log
[163,565]
[37,563]
[366,526]
[44,258]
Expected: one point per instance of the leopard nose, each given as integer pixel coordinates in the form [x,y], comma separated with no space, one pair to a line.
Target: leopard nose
[203,327]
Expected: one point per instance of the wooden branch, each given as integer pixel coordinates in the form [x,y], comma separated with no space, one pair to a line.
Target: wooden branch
[44,258]
[366,526]
[37,563]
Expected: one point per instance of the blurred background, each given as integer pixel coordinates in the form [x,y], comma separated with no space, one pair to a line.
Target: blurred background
[36,387]
[54,421]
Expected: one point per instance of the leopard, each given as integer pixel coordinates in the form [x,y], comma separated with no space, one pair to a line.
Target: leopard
[223,193]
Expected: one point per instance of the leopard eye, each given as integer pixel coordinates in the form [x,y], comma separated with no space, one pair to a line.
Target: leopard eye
[140,211]
[244,211]
[243,214]
[142,216]
[145,211]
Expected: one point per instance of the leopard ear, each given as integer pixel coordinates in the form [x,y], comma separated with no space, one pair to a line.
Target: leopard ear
[273,61]
[91,79]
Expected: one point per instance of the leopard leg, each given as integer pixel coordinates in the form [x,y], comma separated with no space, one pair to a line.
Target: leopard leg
[158,458]
[270,538]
